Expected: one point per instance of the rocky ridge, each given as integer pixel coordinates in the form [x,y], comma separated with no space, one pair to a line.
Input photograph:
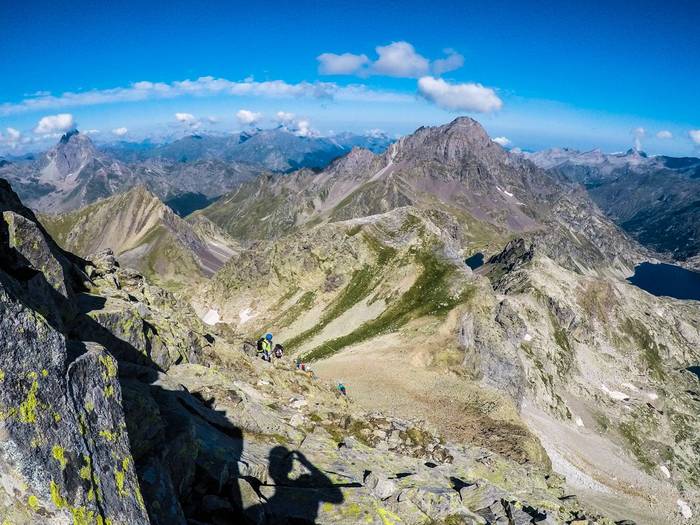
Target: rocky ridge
[145,235]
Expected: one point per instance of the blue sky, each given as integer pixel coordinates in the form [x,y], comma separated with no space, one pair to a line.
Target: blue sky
[539,74]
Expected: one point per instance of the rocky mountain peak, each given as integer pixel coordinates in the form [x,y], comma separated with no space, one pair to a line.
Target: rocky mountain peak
[73,151]
[452,142]
[634,152]
[68,135]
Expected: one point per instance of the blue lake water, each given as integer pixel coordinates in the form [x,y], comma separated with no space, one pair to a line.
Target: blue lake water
[475,261]
[667,280]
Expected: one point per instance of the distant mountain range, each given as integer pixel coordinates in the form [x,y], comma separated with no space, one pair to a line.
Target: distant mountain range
[655,199]
[75,172]
[276,149]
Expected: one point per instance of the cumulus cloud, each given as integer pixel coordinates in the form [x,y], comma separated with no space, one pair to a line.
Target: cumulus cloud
[399,59]
[213,120]
[345,64]
[664,134]
[120,132]
[187,118]
[452,61]
[247,118]
[694,135]
[304,129]
[54,124]
[284,117]
[502,141]
[299,126]
[12,137]
[459,97]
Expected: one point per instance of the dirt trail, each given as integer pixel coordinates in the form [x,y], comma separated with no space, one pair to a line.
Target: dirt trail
[387,376]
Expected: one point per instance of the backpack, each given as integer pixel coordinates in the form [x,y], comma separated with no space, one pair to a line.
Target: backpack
[260,344]
[278,351]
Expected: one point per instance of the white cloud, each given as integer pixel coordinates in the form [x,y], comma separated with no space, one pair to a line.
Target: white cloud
[452,61]
[90,131]
[247,118]
[664,134]
[12,138]
[638,133]
[304,129]
[187,118]
[300,127]
[213,120]
[55,124]
[120,132]
[375,133]
[502,141]
[203,87]
[694,135]
[399,59]
[345,64]
[13,135]
[459,97]
[284,117]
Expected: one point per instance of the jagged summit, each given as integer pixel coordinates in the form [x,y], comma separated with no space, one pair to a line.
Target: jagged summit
[634,152]
[451,142]
[73,151]
[67,136]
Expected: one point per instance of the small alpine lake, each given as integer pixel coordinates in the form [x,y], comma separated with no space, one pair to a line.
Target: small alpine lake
[475,261]
[667,280]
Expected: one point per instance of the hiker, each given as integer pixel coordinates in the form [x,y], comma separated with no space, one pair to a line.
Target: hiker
[278,352]
[265,347]
[341,389]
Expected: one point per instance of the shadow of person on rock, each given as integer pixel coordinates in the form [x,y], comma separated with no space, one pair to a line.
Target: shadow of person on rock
[296,500]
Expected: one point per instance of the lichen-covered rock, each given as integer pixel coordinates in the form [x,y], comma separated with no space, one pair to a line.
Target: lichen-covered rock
[143,323]
[64,453]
